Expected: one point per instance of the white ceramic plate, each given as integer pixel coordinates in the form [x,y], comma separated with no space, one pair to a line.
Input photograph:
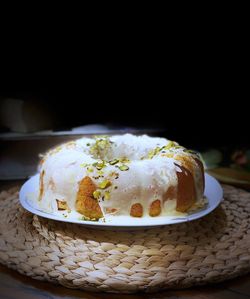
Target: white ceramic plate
[29,190]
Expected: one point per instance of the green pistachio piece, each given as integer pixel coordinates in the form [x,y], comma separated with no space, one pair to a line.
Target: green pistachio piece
[123,167]
[107,195]
[124,160]
[170,144]
[96,194]
[104,184]
[83,164]
[113,162]
[99,165]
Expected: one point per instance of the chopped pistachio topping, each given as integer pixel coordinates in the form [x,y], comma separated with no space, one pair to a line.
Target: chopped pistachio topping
[113,162]
[99,165]
[62,205]
[100,147]
[85,218]
[107,195]
[90,169]
[123,167]
[151,154]
[104,184]
[170,145]
[154,152]
[124,160]
[84,164]
[168,155]
[96,194]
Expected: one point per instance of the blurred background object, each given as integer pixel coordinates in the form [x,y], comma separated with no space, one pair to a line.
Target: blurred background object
[229,165]
[32,122]
[22,116]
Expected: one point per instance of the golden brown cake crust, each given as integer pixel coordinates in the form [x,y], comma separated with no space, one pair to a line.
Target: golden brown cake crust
[155,208]
[86,204]
[186,192]
[201,167]
[136,210]
[41,185]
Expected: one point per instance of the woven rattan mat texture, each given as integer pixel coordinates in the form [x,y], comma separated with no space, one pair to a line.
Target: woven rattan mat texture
[211,249]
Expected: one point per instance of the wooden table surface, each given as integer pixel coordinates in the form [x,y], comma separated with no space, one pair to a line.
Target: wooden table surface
[14,285]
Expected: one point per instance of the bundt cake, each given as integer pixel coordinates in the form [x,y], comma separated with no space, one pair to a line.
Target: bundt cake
[120,175]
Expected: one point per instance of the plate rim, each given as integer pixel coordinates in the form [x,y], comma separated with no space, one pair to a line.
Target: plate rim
[199,214]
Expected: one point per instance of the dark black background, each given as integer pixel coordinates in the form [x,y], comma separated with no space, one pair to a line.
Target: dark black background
[199,98]
[195,115]
[189,79]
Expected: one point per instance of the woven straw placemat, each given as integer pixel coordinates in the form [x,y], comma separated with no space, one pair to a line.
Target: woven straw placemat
[211,249]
